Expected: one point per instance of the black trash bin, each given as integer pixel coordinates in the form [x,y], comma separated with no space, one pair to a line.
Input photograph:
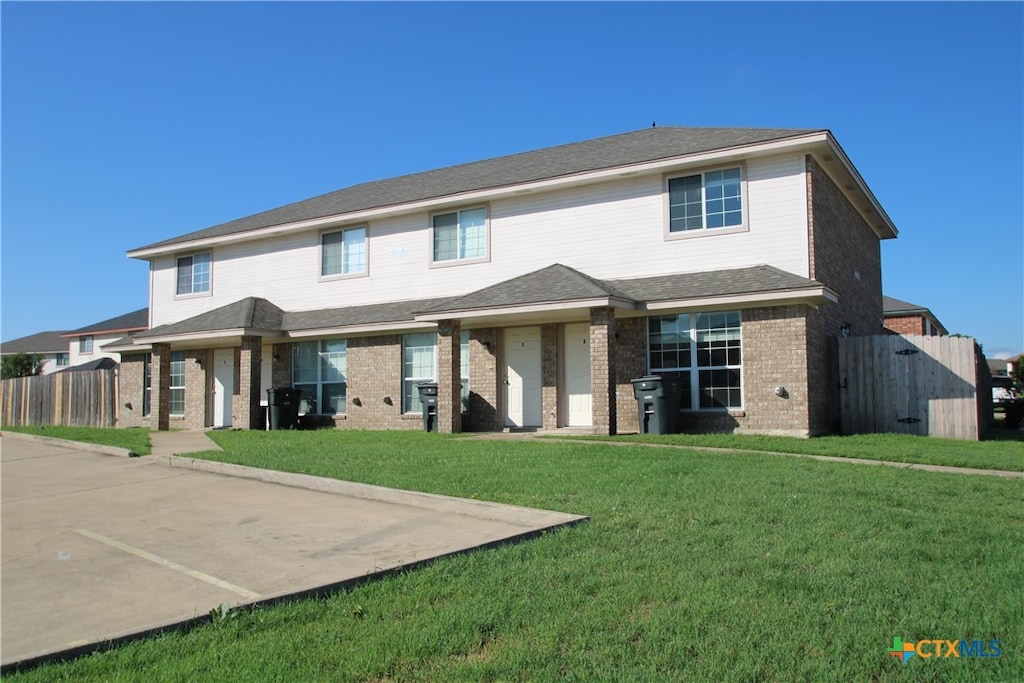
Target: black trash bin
[283,403]
[428,397]
[658,403]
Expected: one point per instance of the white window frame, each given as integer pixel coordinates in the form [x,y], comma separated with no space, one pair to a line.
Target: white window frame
[695,368]
[177,358]
[192,291]
[345,272]
[460,260]
[322,356]
[464,369]
[705,231]
[61,359]
[410,393]
[85,345]
[147,385]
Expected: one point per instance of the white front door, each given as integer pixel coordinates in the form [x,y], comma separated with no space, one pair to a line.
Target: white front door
[523,379]
[577,375]
[223,386]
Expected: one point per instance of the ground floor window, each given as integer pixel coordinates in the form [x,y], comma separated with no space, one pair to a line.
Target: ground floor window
[62,359]
[419,364]
[464,370]
[319,371]
[177,383]
[704,352]
[147,385]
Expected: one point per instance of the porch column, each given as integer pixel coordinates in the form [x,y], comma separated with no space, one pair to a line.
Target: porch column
[250,364]
[549,376]
[160,386]
[602,369]
[449,382]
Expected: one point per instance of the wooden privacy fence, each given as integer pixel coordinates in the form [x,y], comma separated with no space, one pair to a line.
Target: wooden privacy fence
[913,384]
[70,399]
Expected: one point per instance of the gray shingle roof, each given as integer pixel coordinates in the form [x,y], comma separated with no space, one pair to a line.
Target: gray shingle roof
[891,306]
[136,320]
[251,313]
[751,280]
[560,284]
[394,312]
[556,283]
[649,144]
[40,342]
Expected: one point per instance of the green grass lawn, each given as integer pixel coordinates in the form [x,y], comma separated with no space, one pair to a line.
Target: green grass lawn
[1004,451]
[695,566]
[135,440]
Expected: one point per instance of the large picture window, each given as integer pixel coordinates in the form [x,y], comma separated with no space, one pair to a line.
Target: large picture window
[194,274]
[177,383]
[703,351]
[343,252]
[319,371]
[419,364]
[706,201]
[460,235]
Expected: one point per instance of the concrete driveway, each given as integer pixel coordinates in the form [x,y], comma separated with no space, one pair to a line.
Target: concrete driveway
[96,547]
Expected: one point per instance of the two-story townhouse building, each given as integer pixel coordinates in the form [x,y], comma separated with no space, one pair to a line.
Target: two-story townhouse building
[49,347]
[532,288]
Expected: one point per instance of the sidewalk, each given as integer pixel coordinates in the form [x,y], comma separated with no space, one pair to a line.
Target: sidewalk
[177,443]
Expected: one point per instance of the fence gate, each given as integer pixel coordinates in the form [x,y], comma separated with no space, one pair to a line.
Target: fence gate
[911,384]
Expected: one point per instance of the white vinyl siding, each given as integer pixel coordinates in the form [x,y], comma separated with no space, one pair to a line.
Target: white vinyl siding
[419,364]
[614,229]
[194,274]
[343,252]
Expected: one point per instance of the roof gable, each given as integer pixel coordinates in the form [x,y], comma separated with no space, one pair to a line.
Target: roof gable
[252,313]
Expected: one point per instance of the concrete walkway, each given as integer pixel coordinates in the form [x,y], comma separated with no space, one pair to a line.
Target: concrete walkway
[177,443]
[98,548]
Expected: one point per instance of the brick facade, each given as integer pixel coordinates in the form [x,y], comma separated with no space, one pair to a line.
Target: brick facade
[246,402]
[131,387]
[845,255]
[602,370]
[449,376]
[484,382]
[907,324]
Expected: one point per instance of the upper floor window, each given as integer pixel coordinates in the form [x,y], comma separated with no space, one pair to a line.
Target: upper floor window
[85,344]
[194,273]
[460,235]
[713,199]
[61,359]
[343,252]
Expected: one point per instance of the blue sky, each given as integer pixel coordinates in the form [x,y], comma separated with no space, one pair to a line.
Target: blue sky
[127,123]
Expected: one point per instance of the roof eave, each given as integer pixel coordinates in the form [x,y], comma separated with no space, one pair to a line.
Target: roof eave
[804,140]
[520,309]
[812,296]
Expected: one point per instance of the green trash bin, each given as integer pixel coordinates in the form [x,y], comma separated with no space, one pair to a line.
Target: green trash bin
[283,403]
[658,403]
[428,397]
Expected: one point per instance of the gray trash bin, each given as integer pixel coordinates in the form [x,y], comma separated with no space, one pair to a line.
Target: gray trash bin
[283,404]
[428,397]
[658,403]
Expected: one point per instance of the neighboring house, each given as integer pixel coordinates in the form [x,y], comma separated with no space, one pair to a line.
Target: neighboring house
[87,344]
[532,288]
[51,346]
[1002,367]
[906,318]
